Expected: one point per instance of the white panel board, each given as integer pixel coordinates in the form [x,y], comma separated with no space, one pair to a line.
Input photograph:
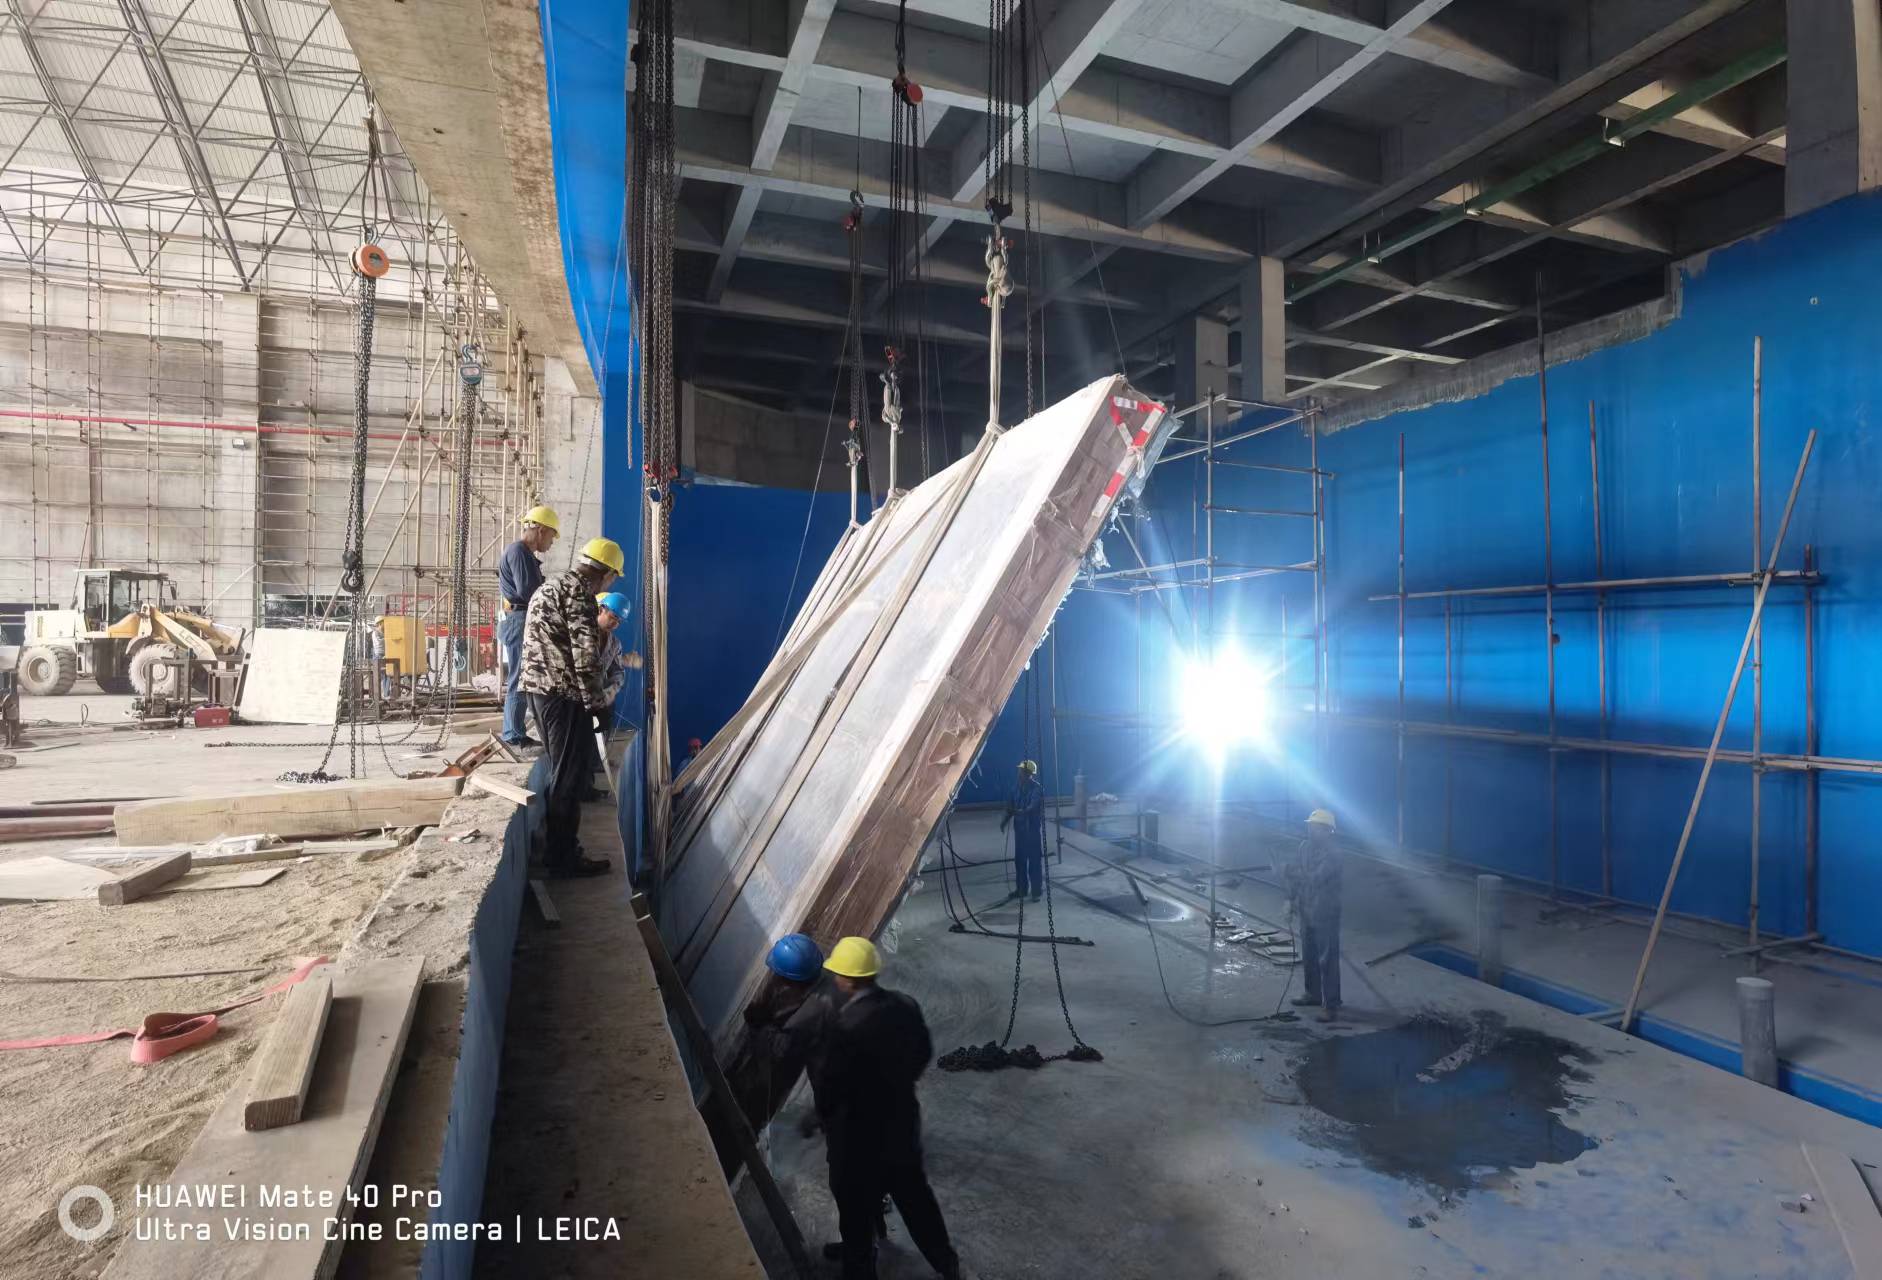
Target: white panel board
[294,676]
[808,810]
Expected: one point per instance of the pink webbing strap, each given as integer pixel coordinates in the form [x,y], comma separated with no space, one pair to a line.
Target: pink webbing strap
[163,1034]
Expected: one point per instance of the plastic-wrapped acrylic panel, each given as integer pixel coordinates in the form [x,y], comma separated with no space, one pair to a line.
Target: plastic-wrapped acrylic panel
[813,804]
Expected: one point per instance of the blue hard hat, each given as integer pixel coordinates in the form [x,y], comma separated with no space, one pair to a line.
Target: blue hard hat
[796,957]
[615,603]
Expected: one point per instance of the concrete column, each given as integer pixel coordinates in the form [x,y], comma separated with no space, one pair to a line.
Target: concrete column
[1757,1030]
[1834,147]
[1264,331]
[1202,360]
[235,544]
[571,460]
[1490,929]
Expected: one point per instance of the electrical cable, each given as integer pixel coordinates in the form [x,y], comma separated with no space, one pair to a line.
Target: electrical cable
[1191,1019]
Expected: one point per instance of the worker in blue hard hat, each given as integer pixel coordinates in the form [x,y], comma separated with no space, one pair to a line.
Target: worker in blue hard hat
[789,1018]
[1312,876]
[611,610]
[1026,814]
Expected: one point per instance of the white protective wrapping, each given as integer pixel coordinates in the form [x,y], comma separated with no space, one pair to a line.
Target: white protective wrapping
[809,809]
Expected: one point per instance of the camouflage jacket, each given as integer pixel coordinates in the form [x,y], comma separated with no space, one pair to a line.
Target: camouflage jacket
[561,643]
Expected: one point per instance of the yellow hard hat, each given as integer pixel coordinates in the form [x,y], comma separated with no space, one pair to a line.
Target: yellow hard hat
[605,551]
[854,958]
[544,516]
[1027,766]
[1322,818]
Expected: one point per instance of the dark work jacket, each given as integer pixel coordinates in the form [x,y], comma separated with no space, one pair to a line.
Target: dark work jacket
[1027,809]
[875,1049]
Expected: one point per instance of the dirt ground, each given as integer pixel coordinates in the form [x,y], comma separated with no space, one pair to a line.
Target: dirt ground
[85,1114]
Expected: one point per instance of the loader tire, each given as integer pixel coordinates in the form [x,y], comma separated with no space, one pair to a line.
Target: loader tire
[45,670]
[146,671]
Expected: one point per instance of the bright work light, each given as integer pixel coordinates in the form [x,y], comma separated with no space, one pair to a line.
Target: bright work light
[1223,701]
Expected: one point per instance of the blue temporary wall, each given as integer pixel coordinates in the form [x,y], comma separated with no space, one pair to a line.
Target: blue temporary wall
[1672,417]
[743,559]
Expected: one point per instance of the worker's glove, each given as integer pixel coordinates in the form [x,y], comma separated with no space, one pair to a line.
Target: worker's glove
[632,661]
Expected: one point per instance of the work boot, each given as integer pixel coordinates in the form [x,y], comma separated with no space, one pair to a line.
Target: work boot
[1034,898]
[833,1252]
[1305,1001]
[1014,896]
[1327,1014]
[580,866]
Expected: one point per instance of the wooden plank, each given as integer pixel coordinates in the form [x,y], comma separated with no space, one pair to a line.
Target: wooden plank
[507,790]
[197,882]
[326,1153]
[545,904]
[285,1066]
[337,810]
[122,889]
[12,829]
[49,880]
[293,676]
[1851,1207]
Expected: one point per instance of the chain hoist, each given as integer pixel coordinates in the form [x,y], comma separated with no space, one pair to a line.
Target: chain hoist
[369,263]
[853,341]
[906,223]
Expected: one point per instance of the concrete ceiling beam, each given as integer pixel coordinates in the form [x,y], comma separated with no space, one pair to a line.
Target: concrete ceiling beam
[807,20]
[1281,91]
[1606,50]
[711,148]
[1496,48]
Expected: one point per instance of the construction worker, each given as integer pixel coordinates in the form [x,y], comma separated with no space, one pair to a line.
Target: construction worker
[790,1018]
[874,1049]
[1026,813]
[611,610]
[1313,890]
[519,575]
[563,677]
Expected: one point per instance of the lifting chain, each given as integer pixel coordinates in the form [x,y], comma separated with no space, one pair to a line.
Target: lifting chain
[993,1056]
[853,337]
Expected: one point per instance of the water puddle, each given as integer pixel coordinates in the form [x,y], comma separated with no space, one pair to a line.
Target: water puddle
[1448,1102]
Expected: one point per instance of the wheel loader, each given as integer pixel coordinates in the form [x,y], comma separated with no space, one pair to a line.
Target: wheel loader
[125,631]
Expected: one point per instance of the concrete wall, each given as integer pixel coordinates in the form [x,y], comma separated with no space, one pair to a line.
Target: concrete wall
[242,498]
[732,439]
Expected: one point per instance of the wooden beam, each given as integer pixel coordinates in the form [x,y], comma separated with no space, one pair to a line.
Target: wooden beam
[545,905]
[504,790]
[115,893]
[1851,1206]
[285,1066]
[326,1153]
[339,810]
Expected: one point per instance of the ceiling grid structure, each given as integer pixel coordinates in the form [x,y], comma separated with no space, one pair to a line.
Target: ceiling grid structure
[1179,141]
[237,122]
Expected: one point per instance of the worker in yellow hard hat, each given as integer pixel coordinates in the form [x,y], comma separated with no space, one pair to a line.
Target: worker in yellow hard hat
[1312,875]
[566,685]
[519,574]
[1026,814]
[873,1050]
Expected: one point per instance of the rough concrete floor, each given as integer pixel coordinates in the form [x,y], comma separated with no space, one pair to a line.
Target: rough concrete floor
[593,1115]
[1487,1136]
[1829,1008]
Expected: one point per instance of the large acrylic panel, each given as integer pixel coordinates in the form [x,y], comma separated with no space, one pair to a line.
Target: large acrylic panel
[810,808]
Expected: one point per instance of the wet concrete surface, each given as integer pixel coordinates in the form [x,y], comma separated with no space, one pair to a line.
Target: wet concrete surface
[1446,1101]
